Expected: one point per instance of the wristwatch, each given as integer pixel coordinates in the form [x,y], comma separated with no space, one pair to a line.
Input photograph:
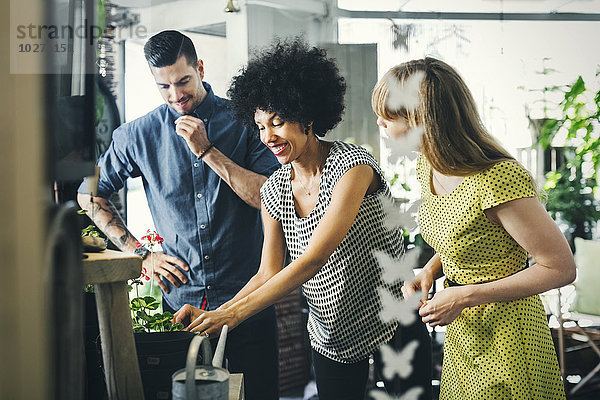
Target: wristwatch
[142,252]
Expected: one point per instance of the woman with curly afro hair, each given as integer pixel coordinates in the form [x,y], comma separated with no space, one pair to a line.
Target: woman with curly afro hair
[324,207]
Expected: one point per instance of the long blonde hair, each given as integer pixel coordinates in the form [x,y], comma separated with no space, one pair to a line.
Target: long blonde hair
[454,141]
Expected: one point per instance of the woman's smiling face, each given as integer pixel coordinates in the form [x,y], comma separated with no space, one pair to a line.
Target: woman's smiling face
[287,140]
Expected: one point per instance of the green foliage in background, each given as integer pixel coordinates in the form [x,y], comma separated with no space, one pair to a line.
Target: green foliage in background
[573,188]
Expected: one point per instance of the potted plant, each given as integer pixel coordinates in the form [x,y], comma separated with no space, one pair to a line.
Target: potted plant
[161,346]
[540,110]
[573,187]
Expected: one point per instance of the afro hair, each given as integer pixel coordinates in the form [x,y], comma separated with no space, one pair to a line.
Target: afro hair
[295,81]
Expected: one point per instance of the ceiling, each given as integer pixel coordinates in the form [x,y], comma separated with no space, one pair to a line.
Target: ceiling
[478,6]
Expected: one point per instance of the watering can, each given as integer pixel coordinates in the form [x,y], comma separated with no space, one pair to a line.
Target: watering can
[203,382]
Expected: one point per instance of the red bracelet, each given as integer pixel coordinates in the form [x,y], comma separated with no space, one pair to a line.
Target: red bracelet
[210,146]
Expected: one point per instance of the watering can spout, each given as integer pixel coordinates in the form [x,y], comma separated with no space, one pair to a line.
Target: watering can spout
[220,350]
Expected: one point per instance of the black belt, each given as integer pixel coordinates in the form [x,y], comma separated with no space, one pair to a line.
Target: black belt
[452,283]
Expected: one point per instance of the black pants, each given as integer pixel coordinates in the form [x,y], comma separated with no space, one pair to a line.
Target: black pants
[252,348]
[338,381]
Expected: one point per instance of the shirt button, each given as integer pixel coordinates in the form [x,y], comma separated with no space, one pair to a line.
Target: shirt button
[207,257]
[196,164]
[209,287]
[199,195]
[205,120]
[202,226]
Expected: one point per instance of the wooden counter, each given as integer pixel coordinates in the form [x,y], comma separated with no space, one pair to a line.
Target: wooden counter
[236,387]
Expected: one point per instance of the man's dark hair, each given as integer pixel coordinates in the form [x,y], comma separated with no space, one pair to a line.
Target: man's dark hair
[294,80]
[165,48]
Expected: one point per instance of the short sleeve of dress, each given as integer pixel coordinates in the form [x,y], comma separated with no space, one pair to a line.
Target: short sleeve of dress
[350,158]
[505,181]
[271,196]
[422,169]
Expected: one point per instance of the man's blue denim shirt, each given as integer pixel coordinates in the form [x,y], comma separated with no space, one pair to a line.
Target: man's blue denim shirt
[203,222]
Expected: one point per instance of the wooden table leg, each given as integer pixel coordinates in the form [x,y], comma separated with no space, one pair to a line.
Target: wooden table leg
[123,379]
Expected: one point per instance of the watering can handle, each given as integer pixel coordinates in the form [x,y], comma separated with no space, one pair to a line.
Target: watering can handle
[192,356]
[190,364]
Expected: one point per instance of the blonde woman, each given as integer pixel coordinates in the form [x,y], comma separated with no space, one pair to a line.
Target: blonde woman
[481,214]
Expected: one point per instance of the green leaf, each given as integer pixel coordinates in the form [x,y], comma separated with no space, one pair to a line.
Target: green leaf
[143,315]
[88,288]
[176,327]
[151,303]
[576,89]
[90,230]
[137,303]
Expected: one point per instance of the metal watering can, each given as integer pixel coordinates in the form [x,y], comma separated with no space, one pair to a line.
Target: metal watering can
[203,382]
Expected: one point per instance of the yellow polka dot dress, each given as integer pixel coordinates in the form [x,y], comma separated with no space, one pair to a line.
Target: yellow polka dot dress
[493,351]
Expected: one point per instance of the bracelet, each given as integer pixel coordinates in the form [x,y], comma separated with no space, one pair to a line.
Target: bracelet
[210,146]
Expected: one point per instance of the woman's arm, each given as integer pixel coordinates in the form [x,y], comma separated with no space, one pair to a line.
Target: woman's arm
[345,202]
[272,259]
[424,279]
[529,224]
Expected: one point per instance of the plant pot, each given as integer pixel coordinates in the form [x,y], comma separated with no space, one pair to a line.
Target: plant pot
[160,354]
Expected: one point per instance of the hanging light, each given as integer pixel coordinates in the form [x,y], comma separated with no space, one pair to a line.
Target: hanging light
[230,8]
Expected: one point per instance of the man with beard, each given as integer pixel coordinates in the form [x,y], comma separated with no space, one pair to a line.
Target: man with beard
[201,172]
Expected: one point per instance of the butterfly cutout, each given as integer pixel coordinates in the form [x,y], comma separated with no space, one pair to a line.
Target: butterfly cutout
[411,394]
[398,362]
[394,309]
[404,146]
[393,270]
[404,94]
[395,218]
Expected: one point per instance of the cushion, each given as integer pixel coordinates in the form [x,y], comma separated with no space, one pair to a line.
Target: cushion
[587,258]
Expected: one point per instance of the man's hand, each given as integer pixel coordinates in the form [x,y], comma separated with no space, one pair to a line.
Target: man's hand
[193,131]
[167,266]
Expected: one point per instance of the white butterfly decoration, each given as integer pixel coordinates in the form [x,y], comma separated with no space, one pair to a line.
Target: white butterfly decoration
[404,94]
[394,309]
[404,146]
[394,270]
[395,218]
[398,362]
[411,394]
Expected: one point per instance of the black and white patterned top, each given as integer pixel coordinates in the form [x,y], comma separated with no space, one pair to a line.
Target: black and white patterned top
[343,322]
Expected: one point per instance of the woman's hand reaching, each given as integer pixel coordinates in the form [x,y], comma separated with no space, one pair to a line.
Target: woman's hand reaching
[422,283]
[208,323]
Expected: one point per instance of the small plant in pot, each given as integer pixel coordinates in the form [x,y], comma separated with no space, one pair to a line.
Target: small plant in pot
[161,345]
[91,239]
